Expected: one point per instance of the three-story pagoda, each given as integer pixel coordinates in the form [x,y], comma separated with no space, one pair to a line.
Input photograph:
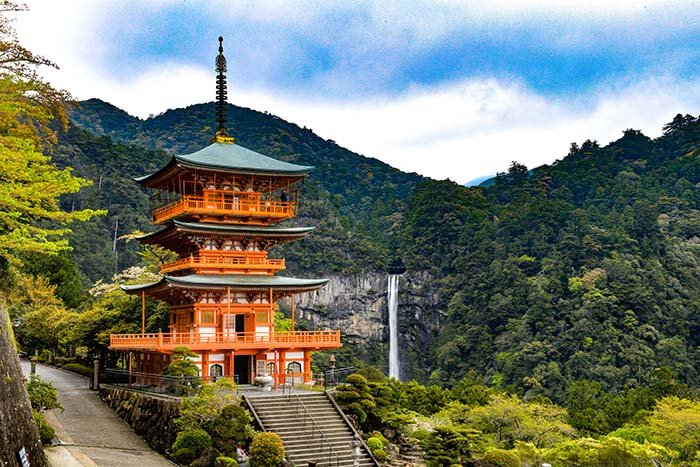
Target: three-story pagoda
[218,211]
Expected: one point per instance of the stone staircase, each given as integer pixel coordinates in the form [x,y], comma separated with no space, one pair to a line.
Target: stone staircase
[311,428]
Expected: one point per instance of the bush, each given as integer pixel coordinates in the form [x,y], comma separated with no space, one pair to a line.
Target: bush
[46,432]
[266,450]
[380,455]
[229,428]
[375,443]
[223,461]
[184,456]
[500,458]
[78,368]
[197,440]
[42,394]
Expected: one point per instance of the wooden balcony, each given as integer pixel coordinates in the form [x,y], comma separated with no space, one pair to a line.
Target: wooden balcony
[216,203]
[164,342]
[234,262]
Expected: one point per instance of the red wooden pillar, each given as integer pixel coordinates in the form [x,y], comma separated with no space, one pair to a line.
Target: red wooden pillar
[283,366]
[205,364]
[307,366]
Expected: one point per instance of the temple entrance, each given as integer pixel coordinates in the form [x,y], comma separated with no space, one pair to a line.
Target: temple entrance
[241,369]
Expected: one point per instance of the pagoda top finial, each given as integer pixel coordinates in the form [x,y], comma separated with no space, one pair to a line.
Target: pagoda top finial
[221,135]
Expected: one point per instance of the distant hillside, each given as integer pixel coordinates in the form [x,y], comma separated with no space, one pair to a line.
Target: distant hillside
[353,200]
[585,269]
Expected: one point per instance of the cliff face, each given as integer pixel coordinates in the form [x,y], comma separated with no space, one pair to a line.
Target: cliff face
[17,429]
[357,305]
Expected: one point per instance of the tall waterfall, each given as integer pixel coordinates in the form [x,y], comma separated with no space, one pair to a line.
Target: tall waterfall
[393,301]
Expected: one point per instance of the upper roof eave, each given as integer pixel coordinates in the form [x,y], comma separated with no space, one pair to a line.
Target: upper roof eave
[231,158]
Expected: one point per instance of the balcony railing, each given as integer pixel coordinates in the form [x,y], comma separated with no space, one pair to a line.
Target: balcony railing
[226,340]
[219,203]
[226,262]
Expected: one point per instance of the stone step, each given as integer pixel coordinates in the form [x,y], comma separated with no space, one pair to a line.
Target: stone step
[298,425]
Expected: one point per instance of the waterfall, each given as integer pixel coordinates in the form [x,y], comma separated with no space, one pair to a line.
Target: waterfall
[393,302]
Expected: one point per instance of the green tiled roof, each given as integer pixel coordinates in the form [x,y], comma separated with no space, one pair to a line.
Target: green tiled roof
[238,282]
[234,158]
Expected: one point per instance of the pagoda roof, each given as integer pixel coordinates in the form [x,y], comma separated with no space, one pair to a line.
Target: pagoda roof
[228,157]
[232,230]
[236,282]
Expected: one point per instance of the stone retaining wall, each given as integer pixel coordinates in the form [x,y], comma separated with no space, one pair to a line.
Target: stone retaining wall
[149,415]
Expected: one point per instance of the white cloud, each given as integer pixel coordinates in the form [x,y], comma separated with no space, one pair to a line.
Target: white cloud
[473,128]
[458,130]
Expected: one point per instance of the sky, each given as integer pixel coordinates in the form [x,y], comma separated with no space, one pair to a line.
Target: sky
[445,88]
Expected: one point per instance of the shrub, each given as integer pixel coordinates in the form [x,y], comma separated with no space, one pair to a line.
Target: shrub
[266,450]
[500,458]
[375,443]
[230,427]
[223,461]
[380,455]
[197,440]
[203,408]
[184,456]
[78,368]
[380,437]
[42,394]
[46,432]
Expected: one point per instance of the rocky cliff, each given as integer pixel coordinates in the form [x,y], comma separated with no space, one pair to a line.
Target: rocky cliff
[357,305]
[17,428]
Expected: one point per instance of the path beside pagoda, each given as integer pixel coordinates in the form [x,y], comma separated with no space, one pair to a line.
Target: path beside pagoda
[90,433]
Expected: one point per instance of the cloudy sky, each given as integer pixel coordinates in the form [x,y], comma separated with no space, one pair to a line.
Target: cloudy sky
[446,88]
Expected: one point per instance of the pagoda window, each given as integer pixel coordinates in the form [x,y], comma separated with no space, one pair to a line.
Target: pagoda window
[271,368]
[229,322]
[207,317]
[294,367]
[261,317]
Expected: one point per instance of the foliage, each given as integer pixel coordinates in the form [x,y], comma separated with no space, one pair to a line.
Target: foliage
[223,461]
[43,319]
[230,427]
[31,220]
[42,394]
[182,364]
[78,368]
[494,457]
[375,443]
[266,450]
[507,419]
[357,397]
[198,411]
[446,445]
[46,431]
[184,456]
[675,423]
[608,451]
[195,439]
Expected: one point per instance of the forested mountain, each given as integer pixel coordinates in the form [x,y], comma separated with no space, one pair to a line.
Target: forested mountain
[352,200]
[586,269]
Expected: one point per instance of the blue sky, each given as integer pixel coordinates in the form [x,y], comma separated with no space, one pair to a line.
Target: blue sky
[446,88]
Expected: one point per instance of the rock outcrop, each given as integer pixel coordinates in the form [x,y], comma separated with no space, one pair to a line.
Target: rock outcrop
[358,306]
[17,428]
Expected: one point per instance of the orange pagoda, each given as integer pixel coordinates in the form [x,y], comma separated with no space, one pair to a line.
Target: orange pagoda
[218,208]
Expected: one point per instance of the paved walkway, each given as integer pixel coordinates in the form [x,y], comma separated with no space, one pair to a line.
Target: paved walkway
[90,433]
